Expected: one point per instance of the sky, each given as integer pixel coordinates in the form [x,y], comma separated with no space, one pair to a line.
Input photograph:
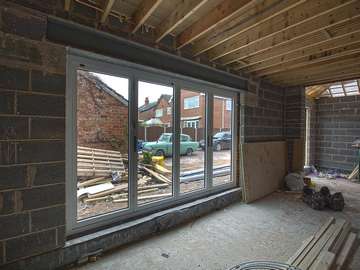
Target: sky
[120,85]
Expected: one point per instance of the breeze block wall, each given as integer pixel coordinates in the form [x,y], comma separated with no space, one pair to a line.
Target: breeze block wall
[32,133]
[337,126]
[264,120]
[295,103]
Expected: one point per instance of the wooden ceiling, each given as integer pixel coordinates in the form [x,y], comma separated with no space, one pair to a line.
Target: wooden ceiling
[286,42]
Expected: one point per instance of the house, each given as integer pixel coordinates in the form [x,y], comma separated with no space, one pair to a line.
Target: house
[102,114]
[192,106]
[193,109]
[160,109]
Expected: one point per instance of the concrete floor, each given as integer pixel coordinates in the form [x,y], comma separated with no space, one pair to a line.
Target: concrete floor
[269,229]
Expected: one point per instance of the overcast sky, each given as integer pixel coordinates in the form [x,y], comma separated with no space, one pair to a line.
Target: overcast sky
[120,85]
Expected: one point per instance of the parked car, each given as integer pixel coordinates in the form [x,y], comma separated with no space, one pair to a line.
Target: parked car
[163,146]
[221,141]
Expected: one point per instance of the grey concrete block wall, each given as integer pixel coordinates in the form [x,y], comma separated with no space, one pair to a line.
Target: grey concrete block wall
[32,136]
[294,120]
[265,120]
[337,126]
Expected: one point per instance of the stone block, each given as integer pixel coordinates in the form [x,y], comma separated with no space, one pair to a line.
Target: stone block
[30,152]
[43,196]
[13,128]
[14,225]
[40,105]
[48,83]
[31,244]
[13,177]
[47,218]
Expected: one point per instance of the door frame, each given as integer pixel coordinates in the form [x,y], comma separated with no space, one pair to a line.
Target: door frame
[78,59]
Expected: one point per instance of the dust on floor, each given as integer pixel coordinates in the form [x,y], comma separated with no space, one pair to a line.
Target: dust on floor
[269,229]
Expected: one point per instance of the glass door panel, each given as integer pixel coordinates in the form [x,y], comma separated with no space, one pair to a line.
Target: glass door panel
[155,142]
[222,140]
[102,143]
[192,140]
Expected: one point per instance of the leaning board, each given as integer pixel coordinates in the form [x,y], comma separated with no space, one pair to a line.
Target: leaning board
[264,167]
[92,162]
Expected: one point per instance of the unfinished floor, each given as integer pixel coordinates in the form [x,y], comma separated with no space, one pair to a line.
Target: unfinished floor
[270,229]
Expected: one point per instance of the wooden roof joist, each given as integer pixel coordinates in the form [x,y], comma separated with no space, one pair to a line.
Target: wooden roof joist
[219,14]
[107,8]
[338,15]
[300,52]
[300,14]
[67,4]
[146,8]
[286,42]
[315,91]
[338,68]
[286,49]
[321,79]
[326,66]
[314,58]
[263,11]
[181,12]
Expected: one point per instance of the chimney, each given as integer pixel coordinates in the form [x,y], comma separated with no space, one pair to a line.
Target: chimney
[147,101]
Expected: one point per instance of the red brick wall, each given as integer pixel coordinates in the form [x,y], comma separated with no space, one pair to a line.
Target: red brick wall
[222,117]
[146,115]
[102,120]
[195,111]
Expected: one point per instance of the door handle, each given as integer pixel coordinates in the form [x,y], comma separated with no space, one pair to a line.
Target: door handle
[135,144]
[210,141]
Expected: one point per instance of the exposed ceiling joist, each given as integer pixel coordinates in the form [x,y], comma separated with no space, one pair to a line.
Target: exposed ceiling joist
[289,42]
[341,14]
[317,90]
[317,47]
[107,8]
[323,78]
[307,43]
[263,11]
[182,11]
[146,8]
[317,68]
[67,5]
[323,71]
[308,60]
[216,16]
[327,33]
[293,17]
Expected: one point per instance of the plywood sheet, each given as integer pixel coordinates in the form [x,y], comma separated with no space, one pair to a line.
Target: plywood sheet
[298,158]
[264,168]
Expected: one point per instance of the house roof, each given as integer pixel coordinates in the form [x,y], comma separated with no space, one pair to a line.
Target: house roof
[148,106]
[153,104]
[338,89]
[103,86]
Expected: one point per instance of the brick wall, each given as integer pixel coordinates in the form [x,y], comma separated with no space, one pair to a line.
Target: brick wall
[337,126]
[264,121]
[102,119]
[32,131]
